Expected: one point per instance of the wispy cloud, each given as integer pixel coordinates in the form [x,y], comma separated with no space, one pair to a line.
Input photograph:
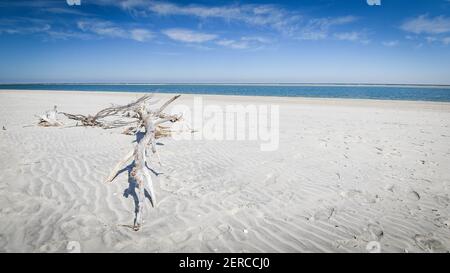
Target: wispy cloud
[348,36]
[22,25]
[78,27]
[29,26]
[259,39]
[430,29]
[424,24]
[290,23]
[102,28]
[246,42]
[25,30]
[390,43]
[140,35]
[353,36]
[319,28]
[63,11]
[233,44]
[274,20]
[446,40]
[198,39]
[259,15]
[109,29]
[33,4]
[188,36]
[36,26]
[67,35]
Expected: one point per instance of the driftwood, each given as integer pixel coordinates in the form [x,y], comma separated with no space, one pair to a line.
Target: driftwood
[140,119]
[150,122]
[49,118]
[117,111]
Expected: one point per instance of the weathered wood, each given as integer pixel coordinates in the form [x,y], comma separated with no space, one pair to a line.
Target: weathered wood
[140,171]
[118,112]
[49,118]
[151,122]
[119,165]
[164,106]
[139,117]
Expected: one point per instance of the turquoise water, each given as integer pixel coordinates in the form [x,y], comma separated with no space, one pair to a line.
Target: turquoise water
[416,93]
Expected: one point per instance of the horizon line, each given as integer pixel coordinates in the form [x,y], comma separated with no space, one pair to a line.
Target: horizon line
[230,83]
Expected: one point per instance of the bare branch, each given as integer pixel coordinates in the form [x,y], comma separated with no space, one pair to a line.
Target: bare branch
[167,103]
[121,111]
[116,169]
[137,116]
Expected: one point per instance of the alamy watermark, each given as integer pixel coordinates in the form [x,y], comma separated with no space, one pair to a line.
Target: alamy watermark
[238,122]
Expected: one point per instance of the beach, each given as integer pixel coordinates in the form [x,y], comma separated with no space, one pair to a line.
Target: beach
[347,175]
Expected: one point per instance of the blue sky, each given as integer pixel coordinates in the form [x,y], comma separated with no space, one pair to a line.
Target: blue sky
[322,41]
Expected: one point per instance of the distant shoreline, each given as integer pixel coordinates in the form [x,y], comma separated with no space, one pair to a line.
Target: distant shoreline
[445,86]
[259,96]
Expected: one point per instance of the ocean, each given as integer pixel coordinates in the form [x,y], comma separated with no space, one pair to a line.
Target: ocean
[379,92]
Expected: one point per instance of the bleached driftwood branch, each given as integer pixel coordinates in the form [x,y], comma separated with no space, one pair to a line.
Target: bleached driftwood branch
[117,111]
[141,118]
[151,122]
[49,118]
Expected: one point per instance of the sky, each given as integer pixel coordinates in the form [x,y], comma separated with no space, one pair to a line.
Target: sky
[300,41]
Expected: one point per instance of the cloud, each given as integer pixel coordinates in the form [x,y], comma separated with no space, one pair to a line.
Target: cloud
[25,30]
[23,25]
[390,43]
[141,35]
[319,28]
[262,40]
[30,4]
[245,42]
[28,26]
[66,35]
[188,36]
[425,24]
[109,29]
[438,39]
[102,28]
[289,23]
[446,40]
[348,36]
[263,15]
[233,44]
[429,29]
[431,39]
[353,36]
[194,37]
[64,11]
[259,15]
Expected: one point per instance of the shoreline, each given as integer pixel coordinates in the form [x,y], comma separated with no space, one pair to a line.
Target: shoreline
[350,101]
[444,86]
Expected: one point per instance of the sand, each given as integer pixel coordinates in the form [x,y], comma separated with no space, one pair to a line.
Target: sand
[348,176]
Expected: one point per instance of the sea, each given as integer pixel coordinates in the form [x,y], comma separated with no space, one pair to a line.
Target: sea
[437,93]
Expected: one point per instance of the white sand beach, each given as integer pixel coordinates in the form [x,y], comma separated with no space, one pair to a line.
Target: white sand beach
[347,173]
